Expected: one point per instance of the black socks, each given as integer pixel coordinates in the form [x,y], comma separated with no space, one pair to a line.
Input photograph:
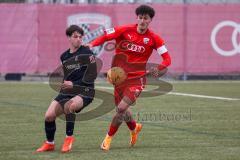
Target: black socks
[70,120]
[50,128]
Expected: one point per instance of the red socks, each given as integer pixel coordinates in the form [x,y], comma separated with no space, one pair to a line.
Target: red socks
[112,130]
[131,125]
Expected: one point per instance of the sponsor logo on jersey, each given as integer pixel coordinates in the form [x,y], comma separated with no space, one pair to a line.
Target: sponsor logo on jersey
[110,30]
[92,59]
[73,66]
[126,45]
[145,40]
[130,37]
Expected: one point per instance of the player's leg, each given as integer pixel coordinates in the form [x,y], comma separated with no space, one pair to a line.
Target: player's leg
[52,112]
[74,105]
[117,120]
[132,93]
[70,108]
[115,123]
[134,127]
[124,97]
[128,118]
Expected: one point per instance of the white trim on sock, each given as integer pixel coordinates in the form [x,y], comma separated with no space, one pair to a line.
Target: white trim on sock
[50,142]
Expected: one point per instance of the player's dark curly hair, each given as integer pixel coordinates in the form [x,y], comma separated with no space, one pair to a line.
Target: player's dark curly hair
[144,9]
[73,28]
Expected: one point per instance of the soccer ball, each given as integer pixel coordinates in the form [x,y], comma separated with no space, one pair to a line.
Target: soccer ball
[116,75]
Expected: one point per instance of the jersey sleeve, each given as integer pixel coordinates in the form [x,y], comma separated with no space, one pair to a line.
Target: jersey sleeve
[61,58]
[162,50]
[166,61]
[109,34]
[90,70]
[160,45]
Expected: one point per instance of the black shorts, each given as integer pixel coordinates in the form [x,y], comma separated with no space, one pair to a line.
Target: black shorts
[63,98]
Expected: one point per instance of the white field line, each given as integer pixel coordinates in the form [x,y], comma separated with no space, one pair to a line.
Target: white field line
[203,96]
[173,93]
[185,94]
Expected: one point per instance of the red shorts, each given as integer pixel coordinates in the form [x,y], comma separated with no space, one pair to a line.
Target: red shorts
[130,89]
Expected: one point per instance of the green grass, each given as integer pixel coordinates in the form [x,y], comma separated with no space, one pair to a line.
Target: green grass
[210,129]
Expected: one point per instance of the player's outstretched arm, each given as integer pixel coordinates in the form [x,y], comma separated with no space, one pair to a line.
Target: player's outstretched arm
[109,34]
[166,61]
[161,50]
[98,41]
[158,71]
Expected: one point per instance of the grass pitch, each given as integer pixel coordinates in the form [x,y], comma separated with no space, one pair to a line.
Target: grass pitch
[175,126]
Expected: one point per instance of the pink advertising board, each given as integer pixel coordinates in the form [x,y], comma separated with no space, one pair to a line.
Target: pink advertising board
[202,39]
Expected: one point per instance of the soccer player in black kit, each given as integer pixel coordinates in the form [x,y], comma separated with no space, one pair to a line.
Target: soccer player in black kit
[76,91]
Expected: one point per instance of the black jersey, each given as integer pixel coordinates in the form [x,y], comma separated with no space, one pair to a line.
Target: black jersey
[79,67]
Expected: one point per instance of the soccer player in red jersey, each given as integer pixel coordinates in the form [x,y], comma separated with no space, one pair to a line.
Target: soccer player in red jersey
[136,43]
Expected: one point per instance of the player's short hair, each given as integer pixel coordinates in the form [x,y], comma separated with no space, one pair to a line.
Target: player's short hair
[74,28]
[144,9]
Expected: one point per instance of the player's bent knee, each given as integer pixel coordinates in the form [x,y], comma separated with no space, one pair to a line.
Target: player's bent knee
[119,117]
[49,117]
[129,101]
[121,110]
[74,107]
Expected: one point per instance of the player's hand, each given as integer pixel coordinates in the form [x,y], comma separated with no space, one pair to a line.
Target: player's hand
[67,85]
[155,72]
[89,45]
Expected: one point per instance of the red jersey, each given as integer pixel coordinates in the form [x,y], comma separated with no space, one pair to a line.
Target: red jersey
[132,48]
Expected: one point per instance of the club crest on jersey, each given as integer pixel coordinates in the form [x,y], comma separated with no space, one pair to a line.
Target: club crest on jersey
[145,40]
[92,59]
[110,30]
[93,25]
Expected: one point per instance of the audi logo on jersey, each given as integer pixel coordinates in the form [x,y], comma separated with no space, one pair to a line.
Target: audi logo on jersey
[127,45]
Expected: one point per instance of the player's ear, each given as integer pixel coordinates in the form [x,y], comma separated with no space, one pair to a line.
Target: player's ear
[150,20]
[138,16]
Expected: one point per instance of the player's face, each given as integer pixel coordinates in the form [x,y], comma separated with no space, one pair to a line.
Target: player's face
[75,40]
[143,21]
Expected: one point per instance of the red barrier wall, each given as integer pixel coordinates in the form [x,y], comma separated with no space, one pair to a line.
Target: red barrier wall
[32,37]
[18,38]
